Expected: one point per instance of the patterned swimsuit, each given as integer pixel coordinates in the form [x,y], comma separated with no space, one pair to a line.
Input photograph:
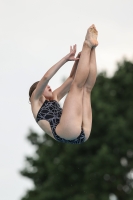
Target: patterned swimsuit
[51,111]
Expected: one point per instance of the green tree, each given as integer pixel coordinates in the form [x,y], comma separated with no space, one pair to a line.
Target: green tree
[102,165]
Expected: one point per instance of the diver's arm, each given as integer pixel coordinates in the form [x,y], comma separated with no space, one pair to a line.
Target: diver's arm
[74,68]
[51,72]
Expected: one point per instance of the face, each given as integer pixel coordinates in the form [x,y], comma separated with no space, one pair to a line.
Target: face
[48,92]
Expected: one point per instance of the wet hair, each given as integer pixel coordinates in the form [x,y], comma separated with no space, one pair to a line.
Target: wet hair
[32,88]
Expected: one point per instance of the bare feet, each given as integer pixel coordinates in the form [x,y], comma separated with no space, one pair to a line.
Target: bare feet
[91,36]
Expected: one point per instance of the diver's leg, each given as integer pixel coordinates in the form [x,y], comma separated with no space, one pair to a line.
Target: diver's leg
[71,119]
[87,111]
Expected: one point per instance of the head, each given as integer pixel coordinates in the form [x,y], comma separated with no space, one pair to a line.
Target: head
[47,91]
[32,88]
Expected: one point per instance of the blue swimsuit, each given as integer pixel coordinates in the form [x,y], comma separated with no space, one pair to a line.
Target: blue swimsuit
[51,111]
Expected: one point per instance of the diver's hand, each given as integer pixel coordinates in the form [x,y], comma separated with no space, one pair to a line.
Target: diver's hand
[71,55]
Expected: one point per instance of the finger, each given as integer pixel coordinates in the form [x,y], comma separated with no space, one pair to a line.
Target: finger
[76,59]
[74,48]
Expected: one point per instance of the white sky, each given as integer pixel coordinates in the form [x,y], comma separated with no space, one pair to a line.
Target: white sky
[34,35]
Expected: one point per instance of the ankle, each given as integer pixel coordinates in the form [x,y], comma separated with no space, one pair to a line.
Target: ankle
[87,44]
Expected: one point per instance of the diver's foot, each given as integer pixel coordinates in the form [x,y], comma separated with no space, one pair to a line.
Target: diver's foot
[91,36]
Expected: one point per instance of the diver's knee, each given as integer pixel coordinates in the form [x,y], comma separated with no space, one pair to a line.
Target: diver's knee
[87,89]
[76,86]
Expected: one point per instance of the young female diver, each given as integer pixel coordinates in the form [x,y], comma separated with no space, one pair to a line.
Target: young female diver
[72,124]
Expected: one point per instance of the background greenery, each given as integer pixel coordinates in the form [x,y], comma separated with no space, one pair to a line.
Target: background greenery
[101,166]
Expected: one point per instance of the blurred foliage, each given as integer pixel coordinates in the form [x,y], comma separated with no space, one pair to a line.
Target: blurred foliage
[102,165]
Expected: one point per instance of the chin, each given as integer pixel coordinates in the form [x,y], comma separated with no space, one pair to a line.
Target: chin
[49,97]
